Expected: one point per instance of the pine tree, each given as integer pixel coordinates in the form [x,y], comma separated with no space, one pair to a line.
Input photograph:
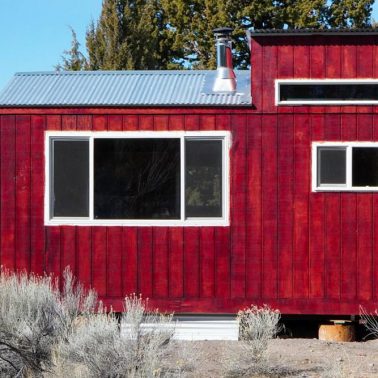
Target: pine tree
[165,34]
[73,59]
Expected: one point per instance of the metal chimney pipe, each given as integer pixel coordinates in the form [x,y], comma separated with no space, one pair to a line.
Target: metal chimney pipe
[225,80]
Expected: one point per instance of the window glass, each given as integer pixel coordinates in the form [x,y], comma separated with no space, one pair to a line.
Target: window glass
[70,178]
[365,166]
[331,165]
[332,92]
[136,178]
[203,178]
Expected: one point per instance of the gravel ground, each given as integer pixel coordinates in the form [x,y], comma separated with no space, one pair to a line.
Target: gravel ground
[289,358]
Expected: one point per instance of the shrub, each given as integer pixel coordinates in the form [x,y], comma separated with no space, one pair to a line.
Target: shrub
[370,321]
[257,325]
[34,317]
[137,351]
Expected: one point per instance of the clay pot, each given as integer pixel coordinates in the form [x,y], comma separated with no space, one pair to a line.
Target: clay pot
[337,332]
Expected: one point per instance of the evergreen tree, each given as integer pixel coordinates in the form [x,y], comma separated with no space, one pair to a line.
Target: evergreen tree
[73,59]
[165,34]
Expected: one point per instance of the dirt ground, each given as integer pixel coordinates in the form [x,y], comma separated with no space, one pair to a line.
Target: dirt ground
[290,358]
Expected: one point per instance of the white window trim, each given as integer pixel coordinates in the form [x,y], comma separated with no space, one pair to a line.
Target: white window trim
[278,83]
[225,136]
[339,187]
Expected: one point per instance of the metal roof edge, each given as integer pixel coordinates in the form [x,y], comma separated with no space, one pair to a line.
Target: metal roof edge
[308,32]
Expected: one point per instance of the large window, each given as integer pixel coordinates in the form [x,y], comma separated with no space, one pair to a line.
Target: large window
[131,178]
[326,92]
[345,166]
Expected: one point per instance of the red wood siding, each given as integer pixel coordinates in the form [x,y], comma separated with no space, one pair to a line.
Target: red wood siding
[302,252]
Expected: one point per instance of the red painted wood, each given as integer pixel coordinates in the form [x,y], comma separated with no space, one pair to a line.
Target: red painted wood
[238,204]
[8,186]
[23,181]
[145,261]
[176,262]
[285,204]
[207,262]
[257,75]
[269,75]
[37,230]
[375,225]
[114,273]
[115,123]
[269,206]
[254,209]
[317,225]
[130,261]
[160,264]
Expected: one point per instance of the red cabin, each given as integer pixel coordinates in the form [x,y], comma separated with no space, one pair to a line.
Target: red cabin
[205,191]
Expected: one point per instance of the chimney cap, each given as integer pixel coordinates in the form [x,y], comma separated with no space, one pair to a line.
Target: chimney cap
[223,31]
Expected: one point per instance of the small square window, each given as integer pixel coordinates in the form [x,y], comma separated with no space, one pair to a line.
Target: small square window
[345,166]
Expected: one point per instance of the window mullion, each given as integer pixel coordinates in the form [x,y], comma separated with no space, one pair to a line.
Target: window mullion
[349,167]
[91,178]
[182,178]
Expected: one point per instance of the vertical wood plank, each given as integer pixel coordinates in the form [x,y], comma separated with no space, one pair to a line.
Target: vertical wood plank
[269,205]
[37,262]
[23,190]
[8,186]
[285,204]
[285,65]
[317,224]
[253,209]
[130,261]
[257,73]
[238,206]
[302,179]
[114,271]
[145,261]
[269,75]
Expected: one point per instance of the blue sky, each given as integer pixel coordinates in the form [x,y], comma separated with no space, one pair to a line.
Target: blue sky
[34,33]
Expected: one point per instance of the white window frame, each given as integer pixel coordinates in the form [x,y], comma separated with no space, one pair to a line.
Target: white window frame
[278,83]
[225,136]
[339,187]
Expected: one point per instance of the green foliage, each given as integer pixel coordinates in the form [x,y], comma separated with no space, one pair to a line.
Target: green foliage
[73,59]
[166,34]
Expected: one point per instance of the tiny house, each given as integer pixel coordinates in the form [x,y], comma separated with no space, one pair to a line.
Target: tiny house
[205,191]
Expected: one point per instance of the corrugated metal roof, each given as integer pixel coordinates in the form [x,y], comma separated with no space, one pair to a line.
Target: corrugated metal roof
[308,31]
[120,88]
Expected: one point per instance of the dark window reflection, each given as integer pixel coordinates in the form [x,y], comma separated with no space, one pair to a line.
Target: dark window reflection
[341,92]
[365,166]
[331,165]
[203,178]
[70,178]
[137,178]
